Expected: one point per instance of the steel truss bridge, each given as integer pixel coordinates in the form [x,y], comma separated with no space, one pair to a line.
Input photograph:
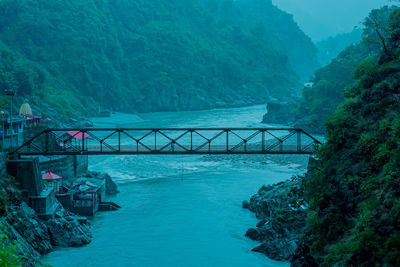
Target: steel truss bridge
[168,141]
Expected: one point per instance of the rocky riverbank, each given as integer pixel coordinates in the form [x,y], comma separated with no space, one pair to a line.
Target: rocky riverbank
[285,113]
[281,212]
[36,236]
[111,187]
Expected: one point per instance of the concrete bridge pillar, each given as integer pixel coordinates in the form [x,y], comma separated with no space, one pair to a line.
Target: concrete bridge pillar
[27,174]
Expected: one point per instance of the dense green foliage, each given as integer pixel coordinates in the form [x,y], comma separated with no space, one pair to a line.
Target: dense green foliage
[330,48]
[4,102]
[30,79]
[151,55]
[354,194]
[321,100]
[8,249]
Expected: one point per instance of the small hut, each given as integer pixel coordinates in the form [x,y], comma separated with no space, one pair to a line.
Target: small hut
[53,180]
[88,196]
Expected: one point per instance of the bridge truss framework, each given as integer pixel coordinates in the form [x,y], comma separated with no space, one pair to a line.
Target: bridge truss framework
[168,141]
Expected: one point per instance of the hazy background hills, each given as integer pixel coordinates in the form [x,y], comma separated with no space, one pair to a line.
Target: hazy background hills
[321,19]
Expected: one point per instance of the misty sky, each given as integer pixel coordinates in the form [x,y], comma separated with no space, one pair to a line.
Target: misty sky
[324,18]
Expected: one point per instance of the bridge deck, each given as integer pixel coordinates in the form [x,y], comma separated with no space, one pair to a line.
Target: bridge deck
[169,142]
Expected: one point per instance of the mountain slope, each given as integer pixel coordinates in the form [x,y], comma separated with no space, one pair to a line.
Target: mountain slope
[320,101]
[354,193]
[154,55]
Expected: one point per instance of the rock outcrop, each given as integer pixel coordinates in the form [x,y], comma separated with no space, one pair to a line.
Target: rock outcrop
[66,231]
[279,113]
[284,113]
[35,236]
[282,214]
[35,232]
[29,256]
[111,186]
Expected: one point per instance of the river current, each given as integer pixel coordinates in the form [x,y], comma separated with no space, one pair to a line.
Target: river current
[178,210]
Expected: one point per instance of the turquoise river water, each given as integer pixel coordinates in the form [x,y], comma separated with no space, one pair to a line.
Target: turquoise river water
[178,210]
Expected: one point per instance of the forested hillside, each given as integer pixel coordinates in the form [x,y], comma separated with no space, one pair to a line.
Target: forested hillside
[354,193]
[151,55]
[321,100]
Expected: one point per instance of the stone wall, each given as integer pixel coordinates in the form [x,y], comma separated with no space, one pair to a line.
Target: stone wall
[67,167]
[27,174]
[3,166]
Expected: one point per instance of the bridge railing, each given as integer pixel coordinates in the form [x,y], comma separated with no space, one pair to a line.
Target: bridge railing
[97,141]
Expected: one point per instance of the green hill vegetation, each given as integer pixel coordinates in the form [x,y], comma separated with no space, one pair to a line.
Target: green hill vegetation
[9,255]
[329,83]
[8,250]
[150,55]
[321,100]
[354,193]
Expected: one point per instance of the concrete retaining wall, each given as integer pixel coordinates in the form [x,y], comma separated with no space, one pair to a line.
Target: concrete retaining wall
[67,167]
[3,166]
[27,174]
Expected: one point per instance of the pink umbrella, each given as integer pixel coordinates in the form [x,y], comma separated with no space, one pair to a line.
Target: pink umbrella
[50,176]
[78,135]
[47,119]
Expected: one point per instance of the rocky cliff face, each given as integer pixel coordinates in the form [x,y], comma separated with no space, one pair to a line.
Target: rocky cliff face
[281,212]
[278,113]
[285,113]
[36,236]
[35,232]
[29,256]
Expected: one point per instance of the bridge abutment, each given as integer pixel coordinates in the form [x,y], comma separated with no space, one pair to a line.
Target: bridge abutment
[28,175]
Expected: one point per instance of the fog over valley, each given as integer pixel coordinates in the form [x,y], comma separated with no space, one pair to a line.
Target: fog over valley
[321,19]
[227,133]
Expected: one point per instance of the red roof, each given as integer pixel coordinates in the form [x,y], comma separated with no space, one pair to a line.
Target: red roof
[32,117]
[50,176]
[78,135]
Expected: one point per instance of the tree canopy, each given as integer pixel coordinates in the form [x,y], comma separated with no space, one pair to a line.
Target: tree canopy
[354,193]
[151,55]
[329,83]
